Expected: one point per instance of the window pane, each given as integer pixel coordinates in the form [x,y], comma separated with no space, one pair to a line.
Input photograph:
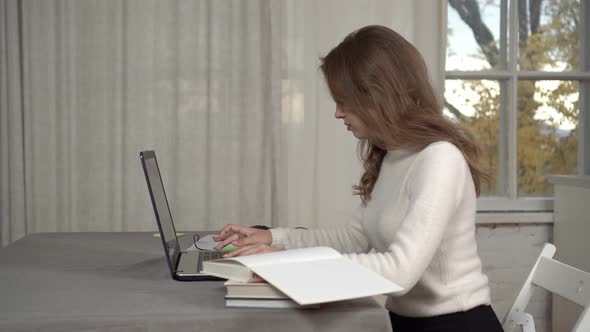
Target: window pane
[547,133]
[476,105]
[473,34]
[548,35]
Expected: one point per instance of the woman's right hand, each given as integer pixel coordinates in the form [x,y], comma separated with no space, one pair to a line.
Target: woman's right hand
[241,236]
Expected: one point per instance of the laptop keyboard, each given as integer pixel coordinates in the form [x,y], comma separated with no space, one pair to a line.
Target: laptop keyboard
[205,255]
[210,255]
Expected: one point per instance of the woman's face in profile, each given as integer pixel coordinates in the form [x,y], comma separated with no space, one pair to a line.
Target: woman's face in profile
[352,122]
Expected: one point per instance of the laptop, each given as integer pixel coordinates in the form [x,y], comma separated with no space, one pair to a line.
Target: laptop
[184,265]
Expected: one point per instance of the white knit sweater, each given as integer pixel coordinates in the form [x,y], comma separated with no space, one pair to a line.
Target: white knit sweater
[418,230]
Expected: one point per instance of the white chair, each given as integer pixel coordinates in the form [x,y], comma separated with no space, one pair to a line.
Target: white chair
[558,278]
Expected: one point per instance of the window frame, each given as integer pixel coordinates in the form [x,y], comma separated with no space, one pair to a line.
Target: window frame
[508,76]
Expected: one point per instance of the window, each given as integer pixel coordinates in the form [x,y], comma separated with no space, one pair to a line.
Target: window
[518,76]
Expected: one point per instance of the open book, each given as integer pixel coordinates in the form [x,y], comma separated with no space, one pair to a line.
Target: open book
[307,275]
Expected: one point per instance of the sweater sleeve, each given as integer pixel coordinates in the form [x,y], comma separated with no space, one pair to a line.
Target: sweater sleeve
[435,188]
[347,239]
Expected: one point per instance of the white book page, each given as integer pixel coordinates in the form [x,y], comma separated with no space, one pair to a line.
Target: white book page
[325,280]
[288,256]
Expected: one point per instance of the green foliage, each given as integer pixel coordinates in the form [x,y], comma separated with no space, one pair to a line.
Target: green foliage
[484,124]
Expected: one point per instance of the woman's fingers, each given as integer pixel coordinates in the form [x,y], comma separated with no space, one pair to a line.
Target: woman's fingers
[259,249]
[237,252]
[242,236]
[232,229]
[251,250]
[223,233]
[246,241]
[228,240]
[258,236]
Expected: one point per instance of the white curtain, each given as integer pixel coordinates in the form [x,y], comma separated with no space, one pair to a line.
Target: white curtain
[321,155]
[227,92]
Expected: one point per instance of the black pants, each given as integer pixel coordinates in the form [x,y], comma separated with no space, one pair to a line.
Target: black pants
[478,319]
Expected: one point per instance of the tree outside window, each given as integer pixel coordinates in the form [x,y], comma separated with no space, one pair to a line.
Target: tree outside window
[515,81]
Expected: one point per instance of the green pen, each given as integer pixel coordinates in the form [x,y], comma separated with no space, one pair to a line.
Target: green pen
[228,248]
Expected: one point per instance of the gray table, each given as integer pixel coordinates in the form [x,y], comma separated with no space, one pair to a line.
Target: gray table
[119,282]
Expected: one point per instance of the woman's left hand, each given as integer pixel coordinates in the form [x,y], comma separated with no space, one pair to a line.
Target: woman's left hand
[252,249]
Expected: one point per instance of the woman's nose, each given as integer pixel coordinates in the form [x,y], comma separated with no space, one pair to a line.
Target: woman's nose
[338,114]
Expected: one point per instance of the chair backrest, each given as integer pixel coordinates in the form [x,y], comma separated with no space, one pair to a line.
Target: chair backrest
[558,278]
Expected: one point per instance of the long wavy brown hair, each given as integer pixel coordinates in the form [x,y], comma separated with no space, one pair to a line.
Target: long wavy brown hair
[382,78]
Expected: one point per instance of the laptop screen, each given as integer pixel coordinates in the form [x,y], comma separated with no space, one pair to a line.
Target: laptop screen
[161,208]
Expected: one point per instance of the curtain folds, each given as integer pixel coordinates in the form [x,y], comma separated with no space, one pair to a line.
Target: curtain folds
[227,93]
[13,209]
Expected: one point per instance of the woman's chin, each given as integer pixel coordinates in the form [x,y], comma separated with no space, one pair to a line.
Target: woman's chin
[358,135]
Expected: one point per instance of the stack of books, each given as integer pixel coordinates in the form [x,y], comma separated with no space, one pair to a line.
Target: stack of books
[297,278]
[257,294]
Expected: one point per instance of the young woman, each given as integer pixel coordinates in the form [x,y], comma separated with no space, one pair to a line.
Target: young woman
[418,190]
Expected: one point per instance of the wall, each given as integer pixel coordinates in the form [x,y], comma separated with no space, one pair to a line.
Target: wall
[508,252]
